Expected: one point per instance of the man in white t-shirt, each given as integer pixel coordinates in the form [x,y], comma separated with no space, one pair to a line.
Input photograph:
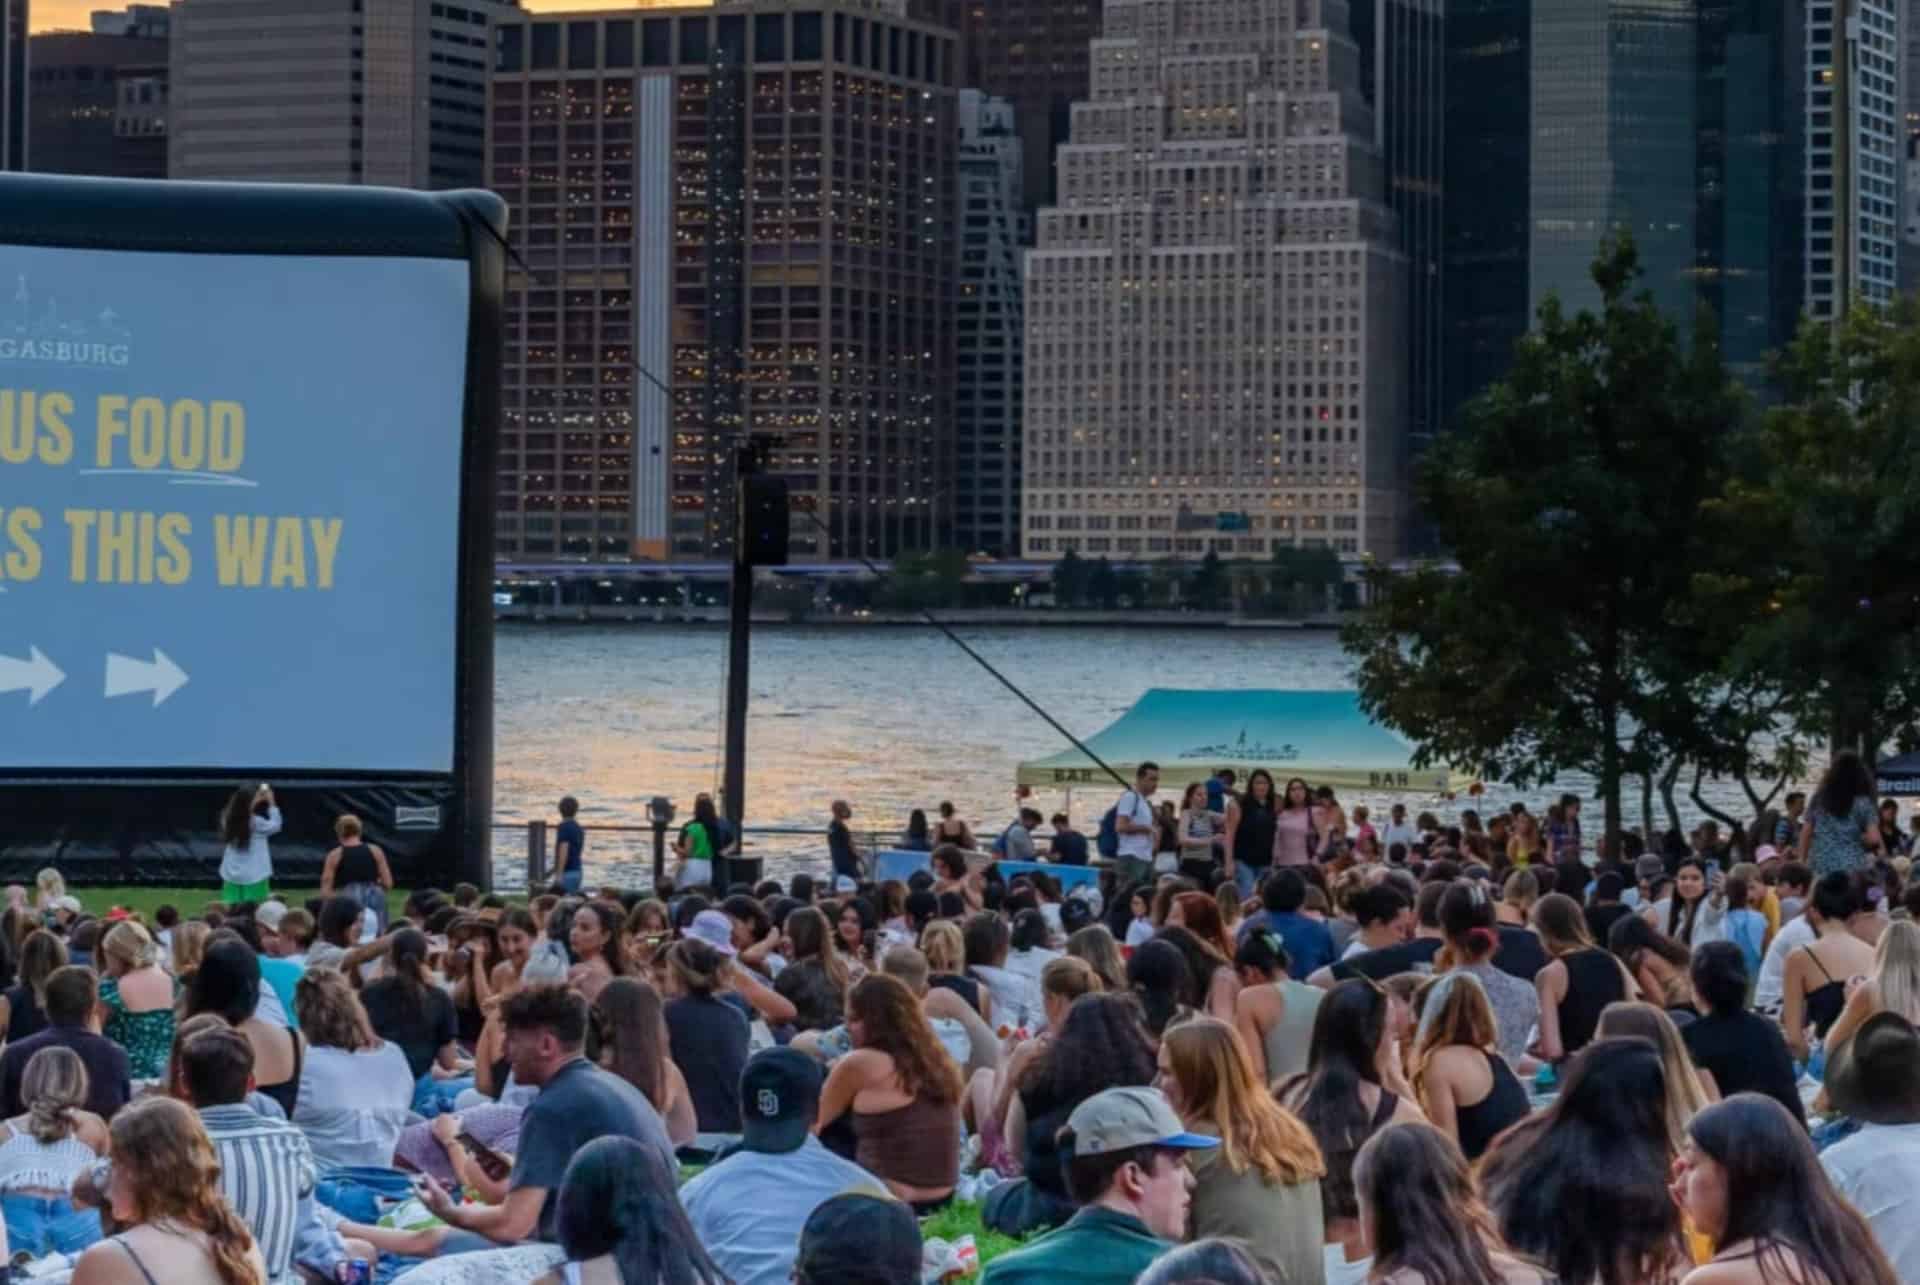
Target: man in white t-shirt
[1398,830]
[1133,822]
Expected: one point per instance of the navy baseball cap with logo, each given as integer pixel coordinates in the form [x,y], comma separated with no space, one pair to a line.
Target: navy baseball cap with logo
[779,1097]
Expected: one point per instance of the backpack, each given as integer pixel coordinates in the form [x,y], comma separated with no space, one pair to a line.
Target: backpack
[1108,840]
[1000,843]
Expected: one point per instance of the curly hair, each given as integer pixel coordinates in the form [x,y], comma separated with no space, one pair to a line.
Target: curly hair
[891,1022]
[173,1173]
[1102,1045]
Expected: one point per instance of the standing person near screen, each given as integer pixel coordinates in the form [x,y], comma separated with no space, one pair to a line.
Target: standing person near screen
[246,867]
[569,842]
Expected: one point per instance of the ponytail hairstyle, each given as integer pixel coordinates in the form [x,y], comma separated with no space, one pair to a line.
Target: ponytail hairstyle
[407,958]
[1467,919]
[53,1086]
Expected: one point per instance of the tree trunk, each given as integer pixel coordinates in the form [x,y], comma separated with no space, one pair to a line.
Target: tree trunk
[1707,807]
[1668,780]
[1646,810]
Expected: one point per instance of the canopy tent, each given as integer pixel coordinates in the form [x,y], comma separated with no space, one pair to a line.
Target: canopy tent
[1322,737]
[1898,775]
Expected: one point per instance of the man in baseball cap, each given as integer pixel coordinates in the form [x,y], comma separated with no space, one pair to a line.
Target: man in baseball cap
[750,1207]
[1125,1154]
[857,1238]
[1873,1078]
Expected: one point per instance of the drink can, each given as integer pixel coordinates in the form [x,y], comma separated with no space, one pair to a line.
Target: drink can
[356,1271]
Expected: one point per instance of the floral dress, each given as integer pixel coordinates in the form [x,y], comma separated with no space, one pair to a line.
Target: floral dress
[147,1037]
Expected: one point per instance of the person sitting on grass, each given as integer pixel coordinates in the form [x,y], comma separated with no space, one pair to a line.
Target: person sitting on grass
[619,1222]
[43,1151]
[546,1034]
[750,1207]
[227,984]
[1126,1168]
[72,995]
[900,1093]
[859,1239]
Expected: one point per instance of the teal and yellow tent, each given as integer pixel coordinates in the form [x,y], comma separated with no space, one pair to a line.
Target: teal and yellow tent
[1323,737]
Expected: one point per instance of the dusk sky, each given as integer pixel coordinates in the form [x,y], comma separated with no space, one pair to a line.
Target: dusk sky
[71,15]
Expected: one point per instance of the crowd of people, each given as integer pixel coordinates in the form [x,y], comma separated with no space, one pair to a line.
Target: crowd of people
[1285,1046]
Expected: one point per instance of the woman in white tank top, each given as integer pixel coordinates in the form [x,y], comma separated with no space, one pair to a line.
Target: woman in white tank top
[43,1151]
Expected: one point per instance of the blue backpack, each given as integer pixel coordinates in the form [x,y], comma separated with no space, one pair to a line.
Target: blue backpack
[1108,840]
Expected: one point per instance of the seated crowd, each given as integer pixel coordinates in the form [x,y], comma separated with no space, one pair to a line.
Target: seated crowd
[1422,1066]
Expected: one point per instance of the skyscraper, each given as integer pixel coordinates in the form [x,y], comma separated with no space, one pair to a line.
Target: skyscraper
[1750,151]
[1487,167]
[1614,129]
[390,92]
[99,100]
[13,84]
[1033,53]
[1856,153]
[994,228]
[1215,333]
[755,207]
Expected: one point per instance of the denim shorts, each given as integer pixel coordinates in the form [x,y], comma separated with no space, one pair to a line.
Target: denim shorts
[43,1225]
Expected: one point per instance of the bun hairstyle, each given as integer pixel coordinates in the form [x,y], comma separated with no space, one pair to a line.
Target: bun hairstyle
[1468,921]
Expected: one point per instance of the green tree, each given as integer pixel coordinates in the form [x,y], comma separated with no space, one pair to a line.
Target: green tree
[1300,578]
[1822,527]
[925,580]
[1070,579]
[1103,586]
[1208,588]
[1570,498]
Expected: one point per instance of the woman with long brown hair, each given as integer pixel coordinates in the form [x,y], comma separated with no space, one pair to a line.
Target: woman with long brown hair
[1262,1184]
[23,1009]
[597,938]
[1425,1223]
[1215,987]
[816,977]
[1581,1187]
[1579,981]
[1657,963]
[1689,1090]
[165,1187]
[1466,1088]
[1749,1180]
[902,1091]
[628,1021]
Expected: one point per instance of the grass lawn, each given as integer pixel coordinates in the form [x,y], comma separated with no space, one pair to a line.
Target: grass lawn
[189,901]
[958,1220]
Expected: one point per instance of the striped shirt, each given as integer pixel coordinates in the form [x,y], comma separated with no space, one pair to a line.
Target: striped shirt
[266,1174]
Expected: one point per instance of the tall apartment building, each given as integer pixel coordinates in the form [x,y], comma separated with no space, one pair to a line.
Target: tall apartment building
[1614,125]
[389,92]
[753,205]
[994,229]
[1215,340]
[1855,155]
[1750,146]
[99,100]
[13,84]
[1033,53]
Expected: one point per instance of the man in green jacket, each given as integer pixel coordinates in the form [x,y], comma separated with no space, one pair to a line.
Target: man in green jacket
[1126,1167]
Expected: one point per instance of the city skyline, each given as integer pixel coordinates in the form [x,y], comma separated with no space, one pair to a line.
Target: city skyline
[73,15]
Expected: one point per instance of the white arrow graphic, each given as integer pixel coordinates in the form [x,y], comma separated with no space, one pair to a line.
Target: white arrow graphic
[129,677]
[36,675]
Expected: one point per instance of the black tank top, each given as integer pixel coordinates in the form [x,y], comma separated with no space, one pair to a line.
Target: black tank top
[1825,1004]
[1505,1103]
[1253,839]
[356,866]
[1593,982]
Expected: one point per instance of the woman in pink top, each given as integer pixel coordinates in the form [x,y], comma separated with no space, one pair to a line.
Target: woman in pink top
[1292,827]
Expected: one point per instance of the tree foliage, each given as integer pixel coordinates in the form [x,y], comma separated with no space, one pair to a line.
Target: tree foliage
[1571,499]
